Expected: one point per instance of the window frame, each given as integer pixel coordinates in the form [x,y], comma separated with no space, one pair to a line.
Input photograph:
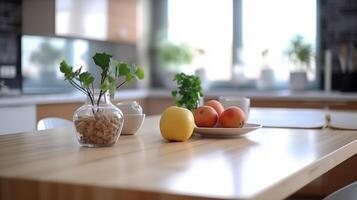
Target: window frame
[159,18]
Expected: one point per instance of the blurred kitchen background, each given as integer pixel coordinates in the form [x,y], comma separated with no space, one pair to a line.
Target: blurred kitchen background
[279,53]
[232,44]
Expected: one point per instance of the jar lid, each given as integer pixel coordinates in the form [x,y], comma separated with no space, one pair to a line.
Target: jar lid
[130,107]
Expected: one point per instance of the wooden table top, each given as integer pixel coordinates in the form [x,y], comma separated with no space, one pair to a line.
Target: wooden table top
[264,164]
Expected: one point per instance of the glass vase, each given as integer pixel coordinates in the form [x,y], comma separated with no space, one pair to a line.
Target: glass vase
[98,123]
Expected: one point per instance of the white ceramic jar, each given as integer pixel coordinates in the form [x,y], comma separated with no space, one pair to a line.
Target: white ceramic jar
[133,116]
[130,107]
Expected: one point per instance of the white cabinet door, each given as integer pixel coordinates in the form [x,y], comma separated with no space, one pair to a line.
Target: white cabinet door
[17,119]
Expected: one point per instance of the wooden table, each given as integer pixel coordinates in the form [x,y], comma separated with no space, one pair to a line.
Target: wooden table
[264,164]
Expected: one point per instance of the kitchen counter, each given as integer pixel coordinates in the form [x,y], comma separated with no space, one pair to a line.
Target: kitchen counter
[51,165]
[305,96]
[29,99]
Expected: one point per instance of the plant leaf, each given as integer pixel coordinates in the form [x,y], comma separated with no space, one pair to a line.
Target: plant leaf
[105,85]
[64,67]
[140,73]
[102,60]
[67,70]
[86,78]
[128,77]
[174,93]
[123,69]
[188,91]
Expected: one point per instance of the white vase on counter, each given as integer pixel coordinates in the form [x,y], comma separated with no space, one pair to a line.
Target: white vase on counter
[202,74]
[298,80]
[266,80]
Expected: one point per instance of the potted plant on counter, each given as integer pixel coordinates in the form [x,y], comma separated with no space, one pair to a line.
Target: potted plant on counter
[174,57]
[301,55]
[189,92]
[99,123]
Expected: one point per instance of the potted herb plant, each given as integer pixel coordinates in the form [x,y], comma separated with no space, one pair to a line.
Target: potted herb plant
[99,123]
[172,57]
[189,92]
[301,55]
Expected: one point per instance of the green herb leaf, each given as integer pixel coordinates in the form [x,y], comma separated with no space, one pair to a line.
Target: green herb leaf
[188,91]
[140,73]
[123,69]
[67,70]
[86,78]
[64,67]
[174,93]
[129,77]
[102,60]
[105,85]
[112,71]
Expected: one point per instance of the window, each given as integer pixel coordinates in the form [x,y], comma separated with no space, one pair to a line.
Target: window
[40,58]
[40,62]
[254,25]
[270,25]
[207,27]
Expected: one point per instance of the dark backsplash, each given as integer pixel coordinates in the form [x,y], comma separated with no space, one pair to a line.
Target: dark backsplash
[338,27]
[338,23]
[10,16]
[10,41]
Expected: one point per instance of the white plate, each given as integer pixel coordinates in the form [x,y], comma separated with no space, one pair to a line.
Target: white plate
[226,132]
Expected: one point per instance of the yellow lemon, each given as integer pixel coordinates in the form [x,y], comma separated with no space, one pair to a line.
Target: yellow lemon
[176,124]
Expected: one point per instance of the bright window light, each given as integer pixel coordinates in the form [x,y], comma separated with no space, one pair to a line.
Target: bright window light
[266,25]
[270,25]
[206,25]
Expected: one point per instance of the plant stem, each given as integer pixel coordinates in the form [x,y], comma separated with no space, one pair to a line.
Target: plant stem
[104,76]
[121,84]
[99,97]
[86,91]
[77,87]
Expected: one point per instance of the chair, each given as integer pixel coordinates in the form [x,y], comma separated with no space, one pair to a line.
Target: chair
[53,122]
[348,192]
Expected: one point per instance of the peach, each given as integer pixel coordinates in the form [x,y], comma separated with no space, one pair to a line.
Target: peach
[205,116]
[215,105]
[232,117]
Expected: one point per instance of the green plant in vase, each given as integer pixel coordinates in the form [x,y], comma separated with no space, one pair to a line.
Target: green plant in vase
[300,53]
[189,92]
[174,55]
[99,122]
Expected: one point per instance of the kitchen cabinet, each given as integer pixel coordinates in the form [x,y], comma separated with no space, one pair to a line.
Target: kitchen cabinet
[106,20]
[38,17]
[66,110]
[123,20]
[61,110]
[338,177]
[155,106]
[158,104]
[17,119]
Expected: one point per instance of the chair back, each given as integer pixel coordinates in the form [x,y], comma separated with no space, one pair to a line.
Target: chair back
[348,192]
[53,122]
